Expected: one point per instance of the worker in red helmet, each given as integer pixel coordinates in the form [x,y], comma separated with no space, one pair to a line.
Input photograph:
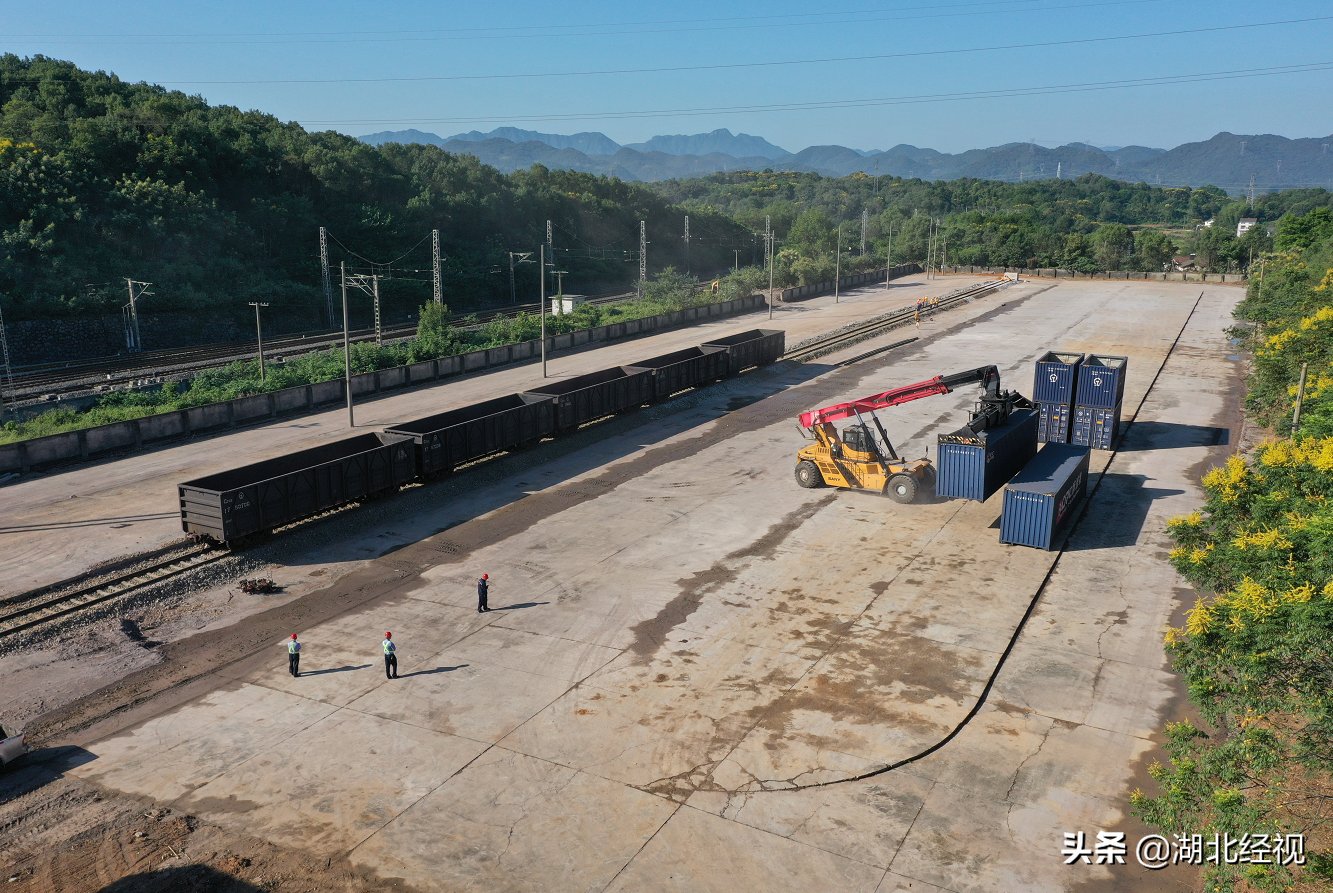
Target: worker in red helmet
[390,659]
[294,656]
[483,589]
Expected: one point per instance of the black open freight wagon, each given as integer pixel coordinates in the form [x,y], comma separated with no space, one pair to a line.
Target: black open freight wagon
[684,369]
[586,397]
[255,498]
[446,440]
[757,347]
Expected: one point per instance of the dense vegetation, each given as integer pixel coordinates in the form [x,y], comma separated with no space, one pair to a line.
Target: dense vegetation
[102,180]
[438,335]
[1090,223]
[1257,651]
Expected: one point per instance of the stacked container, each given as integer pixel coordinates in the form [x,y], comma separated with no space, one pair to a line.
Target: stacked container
[1053,389]
[1039,501]
[974,464]
[1101,394]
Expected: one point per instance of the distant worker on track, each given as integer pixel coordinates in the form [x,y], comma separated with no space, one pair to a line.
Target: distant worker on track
[483,590]
[390,658]
[294,656]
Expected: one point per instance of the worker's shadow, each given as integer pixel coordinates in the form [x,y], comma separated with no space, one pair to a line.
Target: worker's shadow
[519,606]
[434,671]
[333,670]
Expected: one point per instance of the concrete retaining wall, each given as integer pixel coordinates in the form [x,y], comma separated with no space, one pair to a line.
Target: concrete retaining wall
[1047,273]
[133,434]
[823,288]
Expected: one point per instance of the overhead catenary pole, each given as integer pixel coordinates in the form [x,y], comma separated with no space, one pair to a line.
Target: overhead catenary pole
[375,286]
[9,372]
[133,343]
[550,243]
[768,235]
[324,275]
[259,335]
[837,266]
[435,266]
[347,349]
[769,248]
[865,226]
[643,255]
[888,260]
[687,244]
[542,277]
[736,264]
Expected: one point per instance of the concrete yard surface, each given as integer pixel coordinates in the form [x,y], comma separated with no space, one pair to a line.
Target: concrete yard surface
[698,676]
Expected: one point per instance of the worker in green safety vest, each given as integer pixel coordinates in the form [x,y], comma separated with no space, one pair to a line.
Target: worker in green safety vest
[294,656]
[390,659]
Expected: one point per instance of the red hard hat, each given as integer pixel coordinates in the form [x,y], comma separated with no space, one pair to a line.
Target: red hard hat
[293,635]
[388,635]
[485,576]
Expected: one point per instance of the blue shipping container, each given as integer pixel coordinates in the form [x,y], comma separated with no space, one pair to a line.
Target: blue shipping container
[1056,378]
[1039,502]
[1096,428]
[1101,381]
[1053,420]
[974,465]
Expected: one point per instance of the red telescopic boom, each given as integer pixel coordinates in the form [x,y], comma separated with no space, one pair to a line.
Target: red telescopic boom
[987,376]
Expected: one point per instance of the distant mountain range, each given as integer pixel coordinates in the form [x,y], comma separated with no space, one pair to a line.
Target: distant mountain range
[1227,160]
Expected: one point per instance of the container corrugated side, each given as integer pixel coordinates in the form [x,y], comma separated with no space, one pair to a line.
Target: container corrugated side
[1056,377]
[1053,421]
[446,440]
[974,465]
[278,491]
[1039,502]
[1101,381]
[1096,428]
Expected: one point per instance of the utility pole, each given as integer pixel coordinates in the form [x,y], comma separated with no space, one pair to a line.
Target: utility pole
[930,245]
[1300,398]
[542,269]
[865,226]
[347,349]
[324,274]
[643,255]
[131,314]
[837,266]
[259,334]
[888,260]
[687,244]
[768,235]
[434,266]
[769,248]
[736,264]
[513,298]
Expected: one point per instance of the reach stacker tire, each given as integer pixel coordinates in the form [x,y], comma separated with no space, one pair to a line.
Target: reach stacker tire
[902,488]
[808,476]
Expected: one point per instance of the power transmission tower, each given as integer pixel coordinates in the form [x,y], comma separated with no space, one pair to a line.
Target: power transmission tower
[865,224]
[1242,147]
[131,313]
[434,266]
[1059,170]
[687,244]
[643,255]
[324,273]
[1250,191]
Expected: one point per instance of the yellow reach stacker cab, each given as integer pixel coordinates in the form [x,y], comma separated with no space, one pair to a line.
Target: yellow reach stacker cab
[855,458]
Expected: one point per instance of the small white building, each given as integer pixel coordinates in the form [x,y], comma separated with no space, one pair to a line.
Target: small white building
[562,304]
[1246,224]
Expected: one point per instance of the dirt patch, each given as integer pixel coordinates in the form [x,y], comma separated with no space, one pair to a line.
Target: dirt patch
[650,634]
[62,835]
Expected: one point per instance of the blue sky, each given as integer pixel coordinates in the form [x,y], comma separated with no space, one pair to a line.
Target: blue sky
[395,49]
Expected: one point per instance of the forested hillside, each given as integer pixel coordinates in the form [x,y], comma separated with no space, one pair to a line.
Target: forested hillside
[1089,223]
[102,180]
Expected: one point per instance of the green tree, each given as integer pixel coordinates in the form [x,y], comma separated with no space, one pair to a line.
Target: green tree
[1154,249]
[1112,246]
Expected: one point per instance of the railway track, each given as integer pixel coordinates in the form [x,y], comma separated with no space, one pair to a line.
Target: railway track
[29,610]
[88,376]
[810,350]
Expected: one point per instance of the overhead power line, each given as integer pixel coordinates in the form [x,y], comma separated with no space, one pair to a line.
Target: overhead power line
[547,32]
[1166,80]
[878,57]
